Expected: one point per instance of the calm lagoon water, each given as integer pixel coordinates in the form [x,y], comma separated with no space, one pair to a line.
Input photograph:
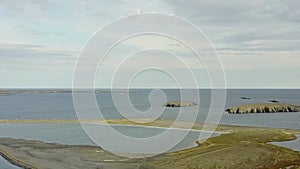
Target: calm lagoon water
[4,164]
[294,144]
[73,134]
[60,106]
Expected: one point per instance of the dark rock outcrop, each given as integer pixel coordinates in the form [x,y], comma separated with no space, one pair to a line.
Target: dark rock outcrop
[180,104]
[264,108]
[274,101]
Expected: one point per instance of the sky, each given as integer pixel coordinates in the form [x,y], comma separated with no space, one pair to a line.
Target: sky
[257,42]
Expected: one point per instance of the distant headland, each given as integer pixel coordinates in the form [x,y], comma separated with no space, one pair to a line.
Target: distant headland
[180,104]
[264,108]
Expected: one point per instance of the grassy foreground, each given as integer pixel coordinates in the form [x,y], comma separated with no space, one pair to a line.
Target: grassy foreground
[242,147]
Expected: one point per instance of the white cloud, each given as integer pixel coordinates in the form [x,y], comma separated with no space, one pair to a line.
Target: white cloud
[248,35]
[2,70]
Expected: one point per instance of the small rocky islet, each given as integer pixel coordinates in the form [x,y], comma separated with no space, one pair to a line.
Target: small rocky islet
[264,108]
[180,104]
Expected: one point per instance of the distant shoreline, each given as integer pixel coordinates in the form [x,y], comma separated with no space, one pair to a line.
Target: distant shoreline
[4,91]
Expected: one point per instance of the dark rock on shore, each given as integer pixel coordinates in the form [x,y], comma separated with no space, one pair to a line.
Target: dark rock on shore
[264,108]
[274,101]
[180,104]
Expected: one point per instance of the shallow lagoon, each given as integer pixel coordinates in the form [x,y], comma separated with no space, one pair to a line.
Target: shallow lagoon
[72,134]
[4,164]
[294,144]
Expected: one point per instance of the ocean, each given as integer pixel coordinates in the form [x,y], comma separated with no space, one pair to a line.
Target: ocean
[59,105]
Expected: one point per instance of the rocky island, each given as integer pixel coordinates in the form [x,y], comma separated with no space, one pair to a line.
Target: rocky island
[180,104]
[264,108]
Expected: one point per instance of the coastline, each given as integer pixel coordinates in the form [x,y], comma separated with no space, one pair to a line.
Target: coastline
[243,137]
[15,162]
[159,123]
[290,144]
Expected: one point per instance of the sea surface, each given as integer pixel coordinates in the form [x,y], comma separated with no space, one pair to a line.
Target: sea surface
[59,105]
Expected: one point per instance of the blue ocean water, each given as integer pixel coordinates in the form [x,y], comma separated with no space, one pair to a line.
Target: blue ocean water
[60,106]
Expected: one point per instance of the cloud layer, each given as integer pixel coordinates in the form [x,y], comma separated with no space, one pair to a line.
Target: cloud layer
[42,39]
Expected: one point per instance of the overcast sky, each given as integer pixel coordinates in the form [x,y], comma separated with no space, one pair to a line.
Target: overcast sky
[258,41]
